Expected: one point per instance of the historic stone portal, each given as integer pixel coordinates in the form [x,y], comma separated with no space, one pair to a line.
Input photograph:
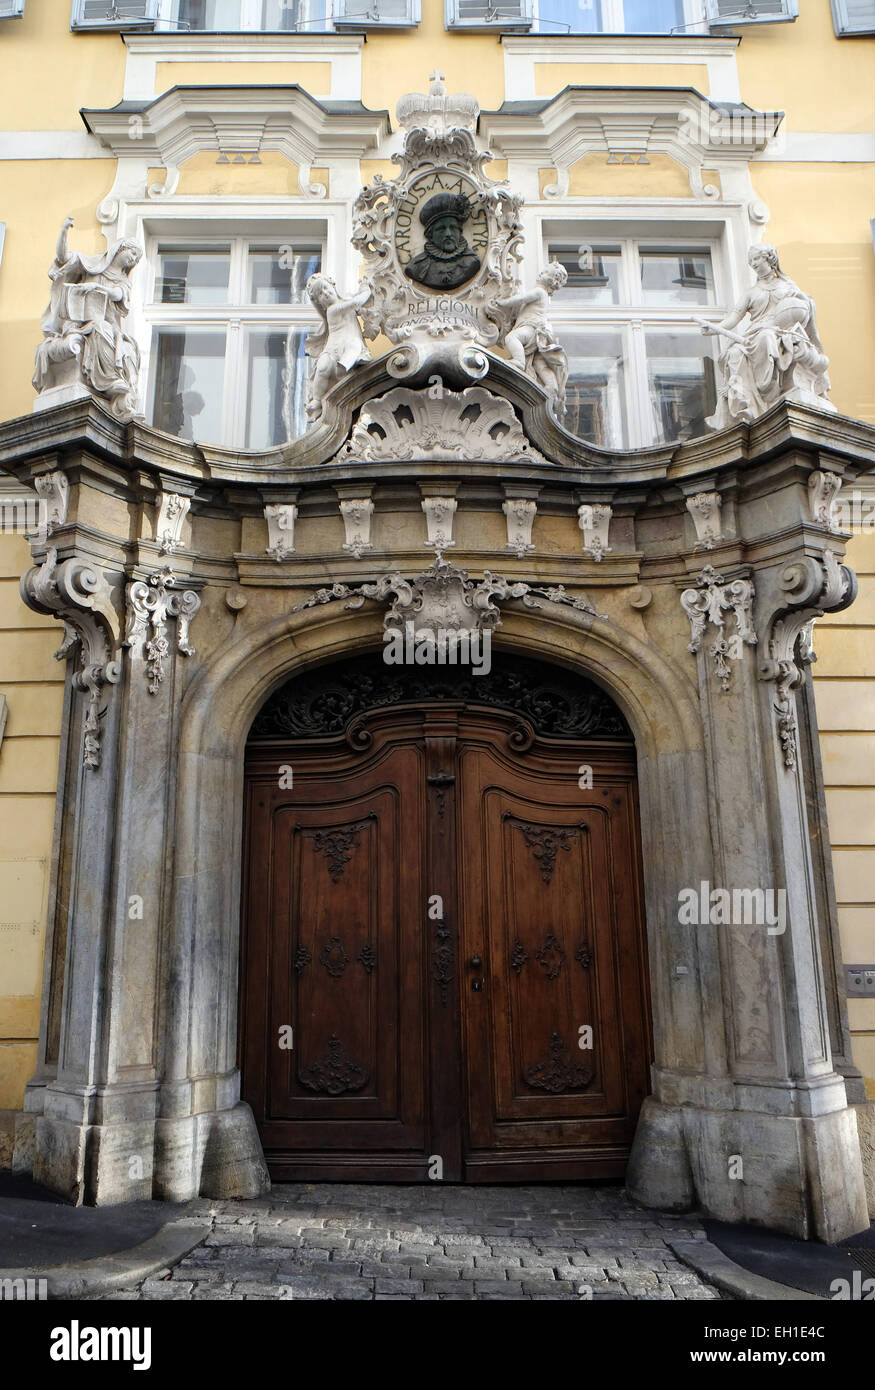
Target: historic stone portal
[443,951]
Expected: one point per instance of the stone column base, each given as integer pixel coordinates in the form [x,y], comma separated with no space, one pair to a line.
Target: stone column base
[799,1175]
[213,1154]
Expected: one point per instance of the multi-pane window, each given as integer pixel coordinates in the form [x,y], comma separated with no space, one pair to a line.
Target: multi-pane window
[612,16]
[640,369]
[229,322]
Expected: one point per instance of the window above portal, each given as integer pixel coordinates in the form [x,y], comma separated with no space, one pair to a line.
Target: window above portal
[227,323]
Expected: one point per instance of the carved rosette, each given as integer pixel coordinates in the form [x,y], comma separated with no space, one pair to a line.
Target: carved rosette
[79,594]
[150,603]
[810,588]
[711,602]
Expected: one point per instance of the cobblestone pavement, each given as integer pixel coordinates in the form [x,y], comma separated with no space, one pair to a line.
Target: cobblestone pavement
[344,1241]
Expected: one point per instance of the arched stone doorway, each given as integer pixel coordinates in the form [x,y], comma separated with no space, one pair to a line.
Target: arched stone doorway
[443,967]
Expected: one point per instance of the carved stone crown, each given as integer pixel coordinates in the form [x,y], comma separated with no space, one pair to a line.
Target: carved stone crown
[437,112]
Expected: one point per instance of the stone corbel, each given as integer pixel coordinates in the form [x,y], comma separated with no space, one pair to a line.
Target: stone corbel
[308,189]
[53,491]
[559,189]
[172,511]
[709,603]
[704,508]
[823,489]
[357,513]
[149,604]
[280,518]
[810,588]
[594,520]
[439,513]
[520,514]
[79,594]
[168,187]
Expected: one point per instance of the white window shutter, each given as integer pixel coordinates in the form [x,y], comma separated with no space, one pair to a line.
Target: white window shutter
[112,14]
[383,14]
[750,11]
[853,17]
[10,9]
[489,14]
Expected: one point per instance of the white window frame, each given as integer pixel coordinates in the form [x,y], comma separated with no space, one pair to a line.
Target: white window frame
[235,317]
[15,12]
[789,12]
[634,320]
[844,26]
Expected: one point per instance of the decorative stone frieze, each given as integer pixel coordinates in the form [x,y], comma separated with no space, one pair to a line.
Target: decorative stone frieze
[823,489]
[150,603]
[79,594]
[280,518]
[594,520]
[520,515]
[708,604]
[810,588]
[407,424]
[439,514]
[444,596]
[173,508]
[357,513]
[704,508]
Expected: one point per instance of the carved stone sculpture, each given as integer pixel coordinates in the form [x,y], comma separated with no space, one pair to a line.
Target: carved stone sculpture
[85,349]
[446,260]
[338,343]
[530,341]
[773,351]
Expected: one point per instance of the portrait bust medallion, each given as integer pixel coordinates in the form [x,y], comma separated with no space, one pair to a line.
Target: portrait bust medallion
[445,258]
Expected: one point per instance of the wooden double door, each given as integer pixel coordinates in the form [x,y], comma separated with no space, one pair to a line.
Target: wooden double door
[443,964]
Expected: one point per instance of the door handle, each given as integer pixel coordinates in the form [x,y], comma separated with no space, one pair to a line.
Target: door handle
[475,962]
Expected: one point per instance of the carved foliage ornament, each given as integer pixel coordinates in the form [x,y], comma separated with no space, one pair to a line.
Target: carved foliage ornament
[324,702]
[334,1073]
[809,588]
[558,1073]
[709,603]
[150,603]
[444,597]
[80,595]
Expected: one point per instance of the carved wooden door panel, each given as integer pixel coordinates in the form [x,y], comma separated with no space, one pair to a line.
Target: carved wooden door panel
[553,958]
[434,910]
[333,1054]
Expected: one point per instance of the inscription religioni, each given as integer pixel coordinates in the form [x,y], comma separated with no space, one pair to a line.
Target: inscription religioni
[224,612]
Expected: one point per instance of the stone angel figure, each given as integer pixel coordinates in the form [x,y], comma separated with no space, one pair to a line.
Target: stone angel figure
[85,349]
[337,344]
[529,339]
[773,352]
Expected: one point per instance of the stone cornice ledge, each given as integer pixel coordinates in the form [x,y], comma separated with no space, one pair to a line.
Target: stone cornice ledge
[84,426]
